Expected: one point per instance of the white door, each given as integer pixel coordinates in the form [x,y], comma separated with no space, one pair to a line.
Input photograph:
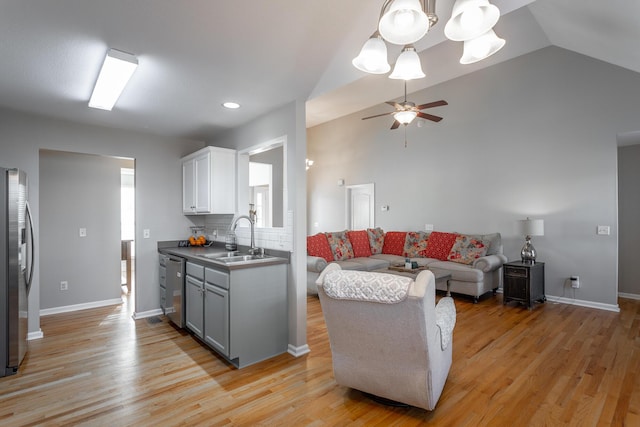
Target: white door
[360,206]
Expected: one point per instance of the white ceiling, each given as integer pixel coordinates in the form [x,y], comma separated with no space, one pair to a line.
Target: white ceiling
[196,54]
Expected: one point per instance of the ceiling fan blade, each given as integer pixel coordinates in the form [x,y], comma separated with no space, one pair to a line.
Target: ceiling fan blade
[395,125]
[429,117]
[395,105]
[378,115]
[432,104]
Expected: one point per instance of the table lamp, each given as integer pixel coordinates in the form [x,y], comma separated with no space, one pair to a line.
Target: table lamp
[530,227]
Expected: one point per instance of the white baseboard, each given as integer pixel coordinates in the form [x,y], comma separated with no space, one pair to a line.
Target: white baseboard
[35,335]
[583,303]
[629,296]
[76,307]
[298,351]
[143,314]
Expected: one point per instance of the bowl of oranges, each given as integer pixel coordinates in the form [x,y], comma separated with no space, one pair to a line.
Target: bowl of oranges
[197,241]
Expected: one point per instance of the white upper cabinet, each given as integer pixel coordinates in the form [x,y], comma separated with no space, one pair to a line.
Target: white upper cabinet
[209,182]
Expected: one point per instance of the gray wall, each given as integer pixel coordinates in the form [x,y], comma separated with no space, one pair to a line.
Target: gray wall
[629,212]
[290,121]
[158,189]
[79,190]
[533,136]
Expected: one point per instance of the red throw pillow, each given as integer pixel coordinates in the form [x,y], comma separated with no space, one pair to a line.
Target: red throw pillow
[318,245]
[360,243]
[394,243]
[440,245]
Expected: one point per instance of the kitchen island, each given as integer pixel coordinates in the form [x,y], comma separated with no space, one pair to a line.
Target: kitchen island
[237,306]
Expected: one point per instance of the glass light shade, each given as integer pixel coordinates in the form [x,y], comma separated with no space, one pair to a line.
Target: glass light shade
[405,117]
[470,19]
[481,47]
[117,69]
[407,66]
[373,57]
[405,22]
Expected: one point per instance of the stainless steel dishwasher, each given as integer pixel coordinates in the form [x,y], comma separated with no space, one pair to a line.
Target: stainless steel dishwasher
[174,288]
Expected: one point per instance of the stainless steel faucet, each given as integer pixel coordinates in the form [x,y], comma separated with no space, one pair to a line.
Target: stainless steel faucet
[253,250]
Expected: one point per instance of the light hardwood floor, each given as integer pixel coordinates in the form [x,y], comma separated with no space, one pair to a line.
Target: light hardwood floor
[555,365]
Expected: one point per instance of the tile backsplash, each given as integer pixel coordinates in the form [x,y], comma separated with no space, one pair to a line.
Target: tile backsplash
[217,226]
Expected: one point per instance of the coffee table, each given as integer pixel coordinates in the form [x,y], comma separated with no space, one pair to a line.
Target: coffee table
[412,273]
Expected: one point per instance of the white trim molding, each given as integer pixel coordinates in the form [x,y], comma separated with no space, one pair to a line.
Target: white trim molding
[76,307]
[298,351]
[628,296]
[144,314]
[37,335]
[583,303]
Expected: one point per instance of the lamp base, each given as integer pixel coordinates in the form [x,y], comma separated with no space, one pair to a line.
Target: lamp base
[528,252]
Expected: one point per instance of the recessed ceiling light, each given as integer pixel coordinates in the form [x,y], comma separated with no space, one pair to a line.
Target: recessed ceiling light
[231,105]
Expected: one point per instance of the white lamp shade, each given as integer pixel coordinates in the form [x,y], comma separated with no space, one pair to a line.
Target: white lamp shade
[404,22]
[407,66]
[405,117]
[470,19]
[481,47]
[373,57]
[531,227]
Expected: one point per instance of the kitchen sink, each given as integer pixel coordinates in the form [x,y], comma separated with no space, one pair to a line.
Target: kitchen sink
[228,258]
[221,255]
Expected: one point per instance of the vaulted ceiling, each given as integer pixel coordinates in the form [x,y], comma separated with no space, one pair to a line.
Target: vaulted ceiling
[193,55]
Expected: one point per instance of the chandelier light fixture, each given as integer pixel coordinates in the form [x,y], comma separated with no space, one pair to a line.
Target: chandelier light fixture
[472,22]
[401,22]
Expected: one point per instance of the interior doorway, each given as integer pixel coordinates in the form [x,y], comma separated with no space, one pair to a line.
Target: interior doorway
[127,227]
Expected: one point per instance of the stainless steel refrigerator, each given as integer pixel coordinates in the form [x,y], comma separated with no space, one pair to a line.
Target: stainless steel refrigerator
[16,268]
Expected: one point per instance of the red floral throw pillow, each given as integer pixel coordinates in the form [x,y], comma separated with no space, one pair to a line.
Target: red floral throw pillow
[376,239]
[318,245]
[340,245]
[360,243]
[415,244]
[440,245]
[467,249]
[394,243]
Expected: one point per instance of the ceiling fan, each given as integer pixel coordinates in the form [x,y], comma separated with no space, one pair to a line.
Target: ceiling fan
[407,111]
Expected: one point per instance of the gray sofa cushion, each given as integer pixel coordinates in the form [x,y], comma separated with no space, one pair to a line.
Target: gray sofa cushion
[458,271]
[371,263]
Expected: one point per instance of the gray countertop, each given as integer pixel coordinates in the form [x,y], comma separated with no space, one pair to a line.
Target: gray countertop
[198,254]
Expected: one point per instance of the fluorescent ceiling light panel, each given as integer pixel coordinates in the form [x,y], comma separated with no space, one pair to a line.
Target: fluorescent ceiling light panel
[117,69]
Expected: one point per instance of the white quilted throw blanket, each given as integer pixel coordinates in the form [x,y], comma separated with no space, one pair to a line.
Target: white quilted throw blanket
[446,320]
[366,286]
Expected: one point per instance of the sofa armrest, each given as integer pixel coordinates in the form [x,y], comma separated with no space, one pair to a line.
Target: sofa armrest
[489,262]
[316,263]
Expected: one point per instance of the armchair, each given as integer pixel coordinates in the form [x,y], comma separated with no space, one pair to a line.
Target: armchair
[388,337]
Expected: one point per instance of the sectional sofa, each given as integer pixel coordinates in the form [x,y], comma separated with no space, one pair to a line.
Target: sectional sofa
[473,260]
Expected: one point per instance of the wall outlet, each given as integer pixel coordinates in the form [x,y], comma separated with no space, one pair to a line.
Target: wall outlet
[82,232]
[575,282]
[146,233]
[604,230]
[64,285]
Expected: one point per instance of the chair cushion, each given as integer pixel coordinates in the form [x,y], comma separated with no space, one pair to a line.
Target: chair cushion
[318,246]
[360,243]
[366,286]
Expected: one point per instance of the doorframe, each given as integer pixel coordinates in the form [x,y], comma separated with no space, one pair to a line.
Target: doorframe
[372,207]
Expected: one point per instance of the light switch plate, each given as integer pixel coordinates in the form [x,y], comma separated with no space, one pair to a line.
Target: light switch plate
[146,233]
[82,232]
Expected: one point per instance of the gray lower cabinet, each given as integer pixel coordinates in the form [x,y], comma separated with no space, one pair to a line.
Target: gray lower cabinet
[241,313]
[194,289]
[216,310]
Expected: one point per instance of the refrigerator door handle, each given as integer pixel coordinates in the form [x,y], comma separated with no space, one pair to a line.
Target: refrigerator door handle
[28,278]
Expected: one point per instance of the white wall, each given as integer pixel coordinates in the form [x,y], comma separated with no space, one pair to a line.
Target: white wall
[79,191]
[287,121]
[158,185]
[533,136]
